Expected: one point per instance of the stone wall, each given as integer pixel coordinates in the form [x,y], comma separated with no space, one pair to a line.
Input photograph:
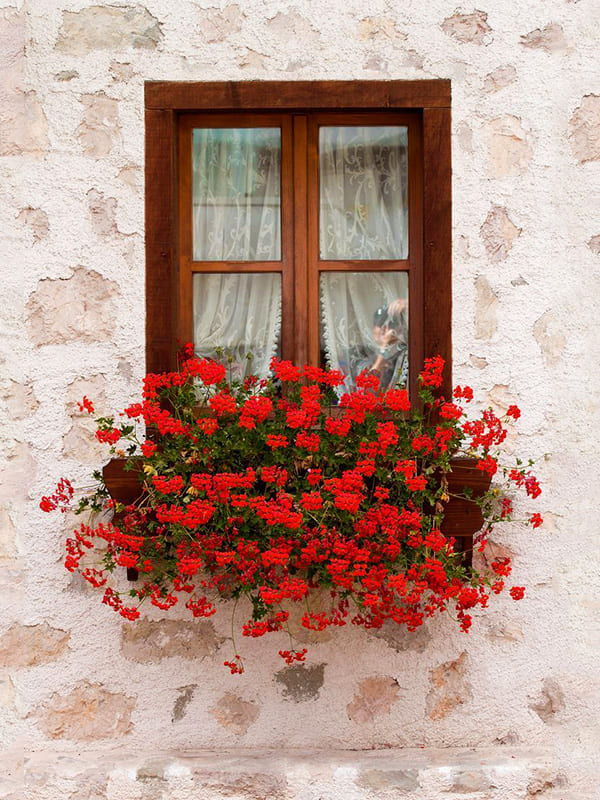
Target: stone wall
[91,708]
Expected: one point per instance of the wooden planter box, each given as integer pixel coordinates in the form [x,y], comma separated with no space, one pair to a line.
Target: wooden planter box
[462,518]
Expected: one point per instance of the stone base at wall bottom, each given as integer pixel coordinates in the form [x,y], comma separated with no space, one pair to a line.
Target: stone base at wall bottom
[499,773]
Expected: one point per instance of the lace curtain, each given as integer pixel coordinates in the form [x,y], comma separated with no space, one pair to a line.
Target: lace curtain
[236,189]
[363,176]
[364,324]
[239,314]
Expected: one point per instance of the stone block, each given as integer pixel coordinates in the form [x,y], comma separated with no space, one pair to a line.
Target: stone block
[148,641]
[500,78]
[550,338]
[550,38]
[100,128]
[80,307]
[584,129]
[509,148]
[486,309]
[30,645]
[234,713]
[499,234]
[374,698]
[108,27]
[468,28]
[302,681]
[87,713]
[449,688]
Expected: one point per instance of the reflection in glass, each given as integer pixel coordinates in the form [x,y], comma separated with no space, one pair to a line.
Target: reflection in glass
[236,194]
[363,184]
[239,314]
[364,325]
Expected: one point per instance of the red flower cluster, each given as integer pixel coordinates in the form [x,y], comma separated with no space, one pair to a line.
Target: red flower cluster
[266,493]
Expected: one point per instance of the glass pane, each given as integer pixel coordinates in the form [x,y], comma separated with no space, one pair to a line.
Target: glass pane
[364,325]
[363,186]
[236,194]
[239,314]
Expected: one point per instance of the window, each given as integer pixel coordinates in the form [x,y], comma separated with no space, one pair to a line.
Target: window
[311,220]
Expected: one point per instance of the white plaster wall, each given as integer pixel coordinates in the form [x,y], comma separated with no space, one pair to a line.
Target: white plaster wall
[526,161]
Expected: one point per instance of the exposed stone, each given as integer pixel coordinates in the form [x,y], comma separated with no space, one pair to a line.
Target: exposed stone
[519,281]
[401,639]
[301,681]
[507,739]
[584,129]
[93,787]
[80,442]
[377,63]
[379,27]
[319,602]
[107,28]
[500,78]
[20,399]
[543,780]
[374,698]
[449,688]
[37,220]
[131,176]
[464,134]
[234,713]
[550,702]
[8,693]
[87,713]
[30,645]
[66,75]
[399,780]
[217,24]
[100,127]
[148,641]
[93,387]
[486,309]
[102,212]
[550,38]
[594,244]
[500,628]
[244,786]
[478,362]
[121,72]
[65,309]
[183,701]
[501,397]
[550,338]
[482,561]
[8,545]
[471,28]
[499,233]
[252,60]
[509,148]
[293,27]
[468,781]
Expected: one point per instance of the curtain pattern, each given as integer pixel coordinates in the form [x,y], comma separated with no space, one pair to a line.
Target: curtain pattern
[241,315]
[236,190]
[363,174]
[364,324]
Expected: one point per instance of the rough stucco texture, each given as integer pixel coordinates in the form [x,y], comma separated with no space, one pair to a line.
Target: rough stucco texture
[97,710]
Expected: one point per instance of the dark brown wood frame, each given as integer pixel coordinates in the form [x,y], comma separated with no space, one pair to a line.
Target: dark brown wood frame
[168,104]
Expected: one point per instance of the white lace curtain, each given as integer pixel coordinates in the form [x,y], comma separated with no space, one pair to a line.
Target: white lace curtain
[364,324]
[239,314]
[363,215]
[236,190]
[363,178]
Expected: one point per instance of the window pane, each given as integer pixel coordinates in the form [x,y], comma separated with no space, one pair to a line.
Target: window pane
[236,194]
[239,314]
[364,325]
[363,186]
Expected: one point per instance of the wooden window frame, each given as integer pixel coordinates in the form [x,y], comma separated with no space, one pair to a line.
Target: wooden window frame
[167,104]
